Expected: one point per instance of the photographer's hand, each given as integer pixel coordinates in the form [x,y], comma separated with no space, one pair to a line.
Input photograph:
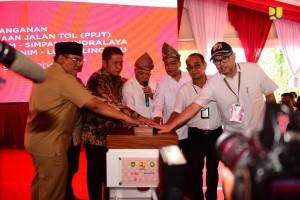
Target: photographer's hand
[236,185]
[228,183]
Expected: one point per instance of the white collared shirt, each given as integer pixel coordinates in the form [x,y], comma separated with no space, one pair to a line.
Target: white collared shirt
[133,96]
[254,85]
[186,95]
[165,97]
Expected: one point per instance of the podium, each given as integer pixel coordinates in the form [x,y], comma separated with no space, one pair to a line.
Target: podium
[132,163]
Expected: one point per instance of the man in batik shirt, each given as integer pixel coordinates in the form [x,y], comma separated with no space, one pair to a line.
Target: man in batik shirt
[106,84]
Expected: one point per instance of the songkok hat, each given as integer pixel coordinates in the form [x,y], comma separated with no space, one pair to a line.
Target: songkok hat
[144,62]
[169,52]
[219,49]
[73,48]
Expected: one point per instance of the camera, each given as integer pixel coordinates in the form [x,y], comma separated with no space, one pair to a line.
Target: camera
[20,63]
[267,165]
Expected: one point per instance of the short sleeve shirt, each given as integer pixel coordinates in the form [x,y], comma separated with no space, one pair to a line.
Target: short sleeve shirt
[52,112]
[254,85]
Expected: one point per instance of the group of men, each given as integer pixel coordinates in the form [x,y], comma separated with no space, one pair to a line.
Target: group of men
[193,104]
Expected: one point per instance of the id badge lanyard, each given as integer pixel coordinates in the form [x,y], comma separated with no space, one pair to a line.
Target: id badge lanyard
[204,111]
[237,110]
[239,84]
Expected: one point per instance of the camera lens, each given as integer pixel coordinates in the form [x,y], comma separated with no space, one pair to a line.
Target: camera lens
[233,150]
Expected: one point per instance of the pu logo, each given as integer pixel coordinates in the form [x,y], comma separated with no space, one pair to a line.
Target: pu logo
[142,164]
[217,46]
[275,13]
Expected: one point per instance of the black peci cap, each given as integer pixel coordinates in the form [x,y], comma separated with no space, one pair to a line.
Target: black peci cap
[73,48]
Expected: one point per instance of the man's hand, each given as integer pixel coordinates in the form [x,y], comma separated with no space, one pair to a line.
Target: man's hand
[163,128]
[131,121]
[146,121]
[157,120]
[148,90]
[228,182]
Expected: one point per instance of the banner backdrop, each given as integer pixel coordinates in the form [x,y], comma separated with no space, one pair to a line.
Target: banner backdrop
[33,27]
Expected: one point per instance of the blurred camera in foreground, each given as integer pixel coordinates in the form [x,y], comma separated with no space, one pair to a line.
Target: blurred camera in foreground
[20,63]
[267,165]
[172,174]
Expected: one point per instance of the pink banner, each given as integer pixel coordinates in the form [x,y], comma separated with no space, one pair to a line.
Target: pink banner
[33,27]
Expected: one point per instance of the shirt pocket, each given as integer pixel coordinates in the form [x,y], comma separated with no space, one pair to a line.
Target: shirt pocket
[253,93]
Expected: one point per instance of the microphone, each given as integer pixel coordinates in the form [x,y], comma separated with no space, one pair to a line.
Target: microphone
[21,64]
[146,95]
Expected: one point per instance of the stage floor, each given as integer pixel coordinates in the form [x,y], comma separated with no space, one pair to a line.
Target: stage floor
[16,173]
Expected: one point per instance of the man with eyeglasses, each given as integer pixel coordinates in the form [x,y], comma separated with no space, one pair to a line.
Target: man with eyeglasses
[106,84]
[166,91]
[204,129]
[137,93]
[52,112]
[240,90]
[73,153]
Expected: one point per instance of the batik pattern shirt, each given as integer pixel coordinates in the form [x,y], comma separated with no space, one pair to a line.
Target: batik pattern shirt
[107,88]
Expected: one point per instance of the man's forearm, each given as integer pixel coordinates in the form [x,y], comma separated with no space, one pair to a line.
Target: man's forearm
[270,98]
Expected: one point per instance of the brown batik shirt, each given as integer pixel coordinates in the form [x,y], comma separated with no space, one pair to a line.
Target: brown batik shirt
[107,88]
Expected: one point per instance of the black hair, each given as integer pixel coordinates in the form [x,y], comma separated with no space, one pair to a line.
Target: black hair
[199,55]
[287,94]
[55,58]
[294,94]
[109,51]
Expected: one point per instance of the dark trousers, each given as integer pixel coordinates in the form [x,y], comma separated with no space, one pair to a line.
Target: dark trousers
[73,165]
[96,171]
[201,148]
[183,145]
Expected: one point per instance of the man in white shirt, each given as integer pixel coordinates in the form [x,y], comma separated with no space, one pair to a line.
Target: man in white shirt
[166,91]
[204,130]
[136,92]
[241,91]
[238,89]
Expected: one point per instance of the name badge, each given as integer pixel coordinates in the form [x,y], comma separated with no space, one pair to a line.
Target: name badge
[236,113]
[205,113]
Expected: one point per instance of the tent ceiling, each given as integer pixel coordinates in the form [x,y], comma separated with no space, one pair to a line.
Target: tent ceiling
[186,37]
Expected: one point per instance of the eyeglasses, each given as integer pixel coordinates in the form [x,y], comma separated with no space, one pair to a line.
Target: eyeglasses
[224,59]
[76,60]
[195,67]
